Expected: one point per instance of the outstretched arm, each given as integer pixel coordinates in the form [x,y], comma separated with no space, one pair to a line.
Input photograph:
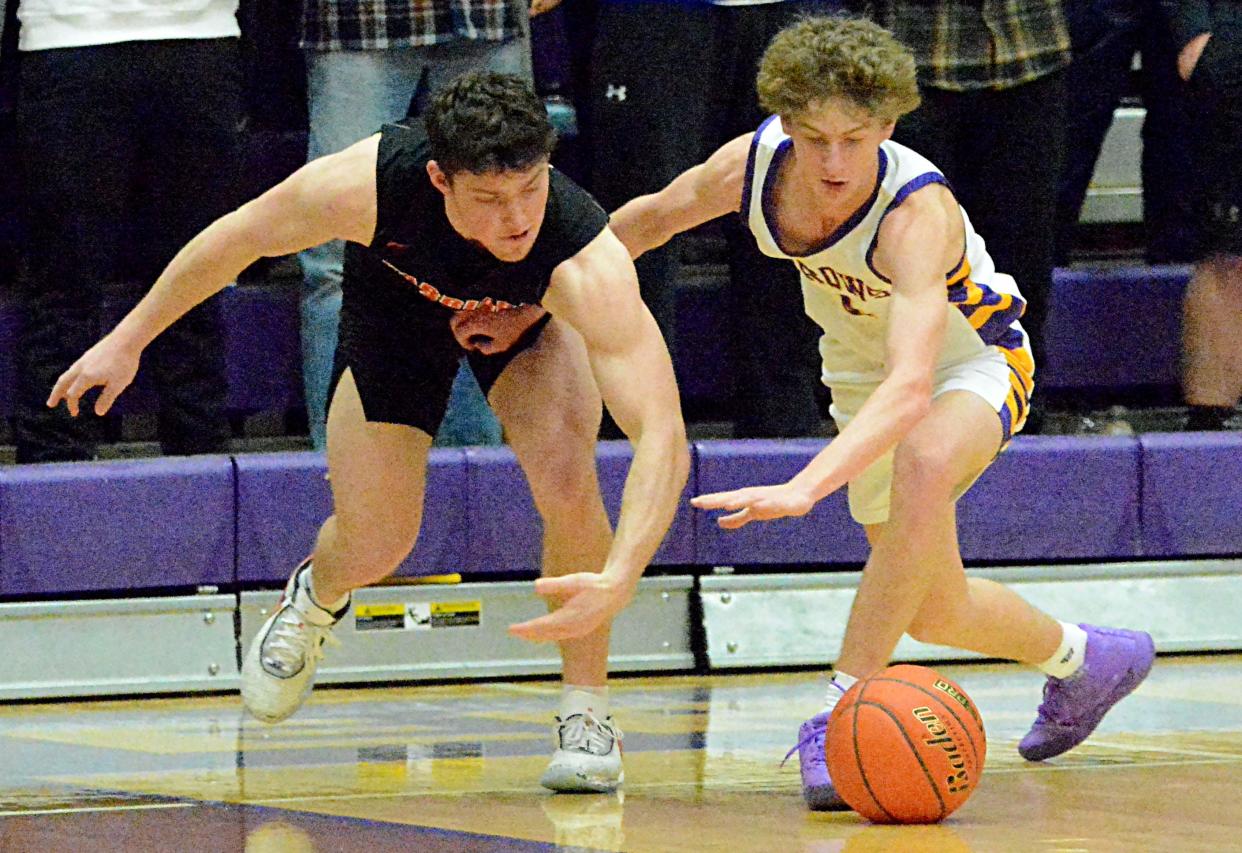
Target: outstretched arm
[710,189]
[929,218]
[596,292]
[330,198]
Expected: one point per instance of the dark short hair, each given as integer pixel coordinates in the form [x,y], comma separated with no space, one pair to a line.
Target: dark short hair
[485,122]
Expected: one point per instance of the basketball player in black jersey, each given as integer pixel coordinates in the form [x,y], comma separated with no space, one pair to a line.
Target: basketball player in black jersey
[462,240]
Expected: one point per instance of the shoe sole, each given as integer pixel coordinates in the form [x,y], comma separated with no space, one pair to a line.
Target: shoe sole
[570,784]
[1124,688]
[818,801]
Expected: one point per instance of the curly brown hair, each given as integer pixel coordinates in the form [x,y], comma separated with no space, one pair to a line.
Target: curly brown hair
[819,58]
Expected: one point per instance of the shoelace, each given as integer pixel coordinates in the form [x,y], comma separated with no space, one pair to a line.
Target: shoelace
[812,736]
[586,733]
[294,642]
[1051,709]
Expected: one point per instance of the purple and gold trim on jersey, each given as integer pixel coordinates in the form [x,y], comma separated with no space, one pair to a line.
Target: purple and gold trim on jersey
[989,313]
[994,315]
[1017,403]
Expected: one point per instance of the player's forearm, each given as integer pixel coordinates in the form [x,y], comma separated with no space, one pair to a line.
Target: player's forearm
[652,490]
[884,420]
[203,267]
[640,226]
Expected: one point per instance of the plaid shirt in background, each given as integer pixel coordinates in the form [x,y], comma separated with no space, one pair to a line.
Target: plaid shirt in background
[380,24]
[978,44]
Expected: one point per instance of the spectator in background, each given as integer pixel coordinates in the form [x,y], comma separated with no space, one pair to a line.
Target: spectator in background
[671,83]
[1106,34]
[368,63]
[992,78]
[128,125]
[1208,34]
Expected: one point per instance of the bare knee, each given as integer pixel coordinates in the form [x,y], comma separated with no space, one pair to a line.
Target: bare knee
[375,546]
[923,470]
[565,487]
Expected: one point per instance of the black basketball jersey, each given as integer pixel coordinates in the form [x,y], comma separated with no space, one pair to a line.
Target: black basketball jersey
[417,252]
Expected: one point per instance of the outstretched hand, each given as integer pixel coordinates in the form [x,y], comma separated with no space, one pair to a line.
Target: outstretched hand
[108,364]
[756,503]
[585,601]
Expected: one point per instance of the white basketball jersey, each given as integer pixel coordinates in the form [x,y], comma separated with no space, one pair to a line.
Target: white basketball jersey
[850,301]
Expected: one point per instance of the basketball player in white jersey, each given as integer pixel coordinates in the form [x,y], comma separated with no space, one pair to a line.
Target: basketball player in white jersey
[930,371]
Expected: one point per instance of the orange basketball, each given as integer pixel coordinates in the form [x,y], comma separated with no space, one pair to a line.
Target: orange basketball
[905,746]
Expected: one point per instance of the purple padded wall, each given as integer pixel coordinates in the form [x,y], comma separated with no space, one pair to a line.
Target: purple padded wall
[1044,499]
[1108,328]
[120,526]
[262,353]
[283,498]
[1113,328]
[1192,494]
[505,531]
[825,535]
[1055,498]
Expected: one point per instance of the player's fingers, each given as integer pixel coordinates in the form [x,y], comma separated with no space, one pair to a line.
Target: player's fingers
[560,587]
[59,389]
[107,397]
[720,500]
[736,520]
[73,395]
[558,625]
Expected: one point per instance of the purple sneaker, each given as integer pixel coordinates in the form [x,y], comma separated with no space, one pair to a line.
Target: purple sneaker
[1116,662]
[816,786]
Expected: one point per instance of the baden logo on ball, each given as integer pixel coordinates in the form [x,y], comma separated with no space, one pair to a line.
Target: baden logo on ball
[905,746]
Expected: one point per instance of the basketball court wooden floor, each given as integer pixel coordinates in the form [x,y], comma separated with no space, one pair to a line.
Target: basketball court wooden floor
[455,768]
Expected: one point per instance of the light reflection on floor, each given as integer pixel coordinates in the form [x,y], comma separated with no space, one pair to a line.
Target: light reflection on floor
[456,768]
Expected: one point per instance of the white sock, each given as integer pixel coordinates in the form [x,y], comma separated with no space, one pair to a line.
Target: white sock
[335,606]
[1068,657]
[580,699]
[840,683]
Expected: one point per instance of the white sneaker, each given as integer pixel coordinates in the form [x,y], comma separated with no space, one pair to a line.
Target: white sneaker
[587,757]
[279,669]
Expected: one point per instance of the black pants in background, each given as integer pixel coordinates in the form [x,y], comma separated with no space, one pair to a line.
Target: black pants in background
[1106,35]
[128,151]
[1002,151]
[670,84]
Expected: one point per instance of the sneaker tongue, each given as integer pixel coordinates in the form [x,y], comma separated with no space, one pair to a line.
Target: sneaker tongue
[586,734]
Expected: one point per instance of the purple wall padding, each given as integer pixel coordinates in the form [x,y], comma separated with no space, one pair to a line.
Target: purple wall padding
[1055,498]
[122,526]
[505,531]
[262,352]
[1192,494]
[283,499]
[700,344]
[1044,499]
[1108,328]
[1113,328]
[825,535]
